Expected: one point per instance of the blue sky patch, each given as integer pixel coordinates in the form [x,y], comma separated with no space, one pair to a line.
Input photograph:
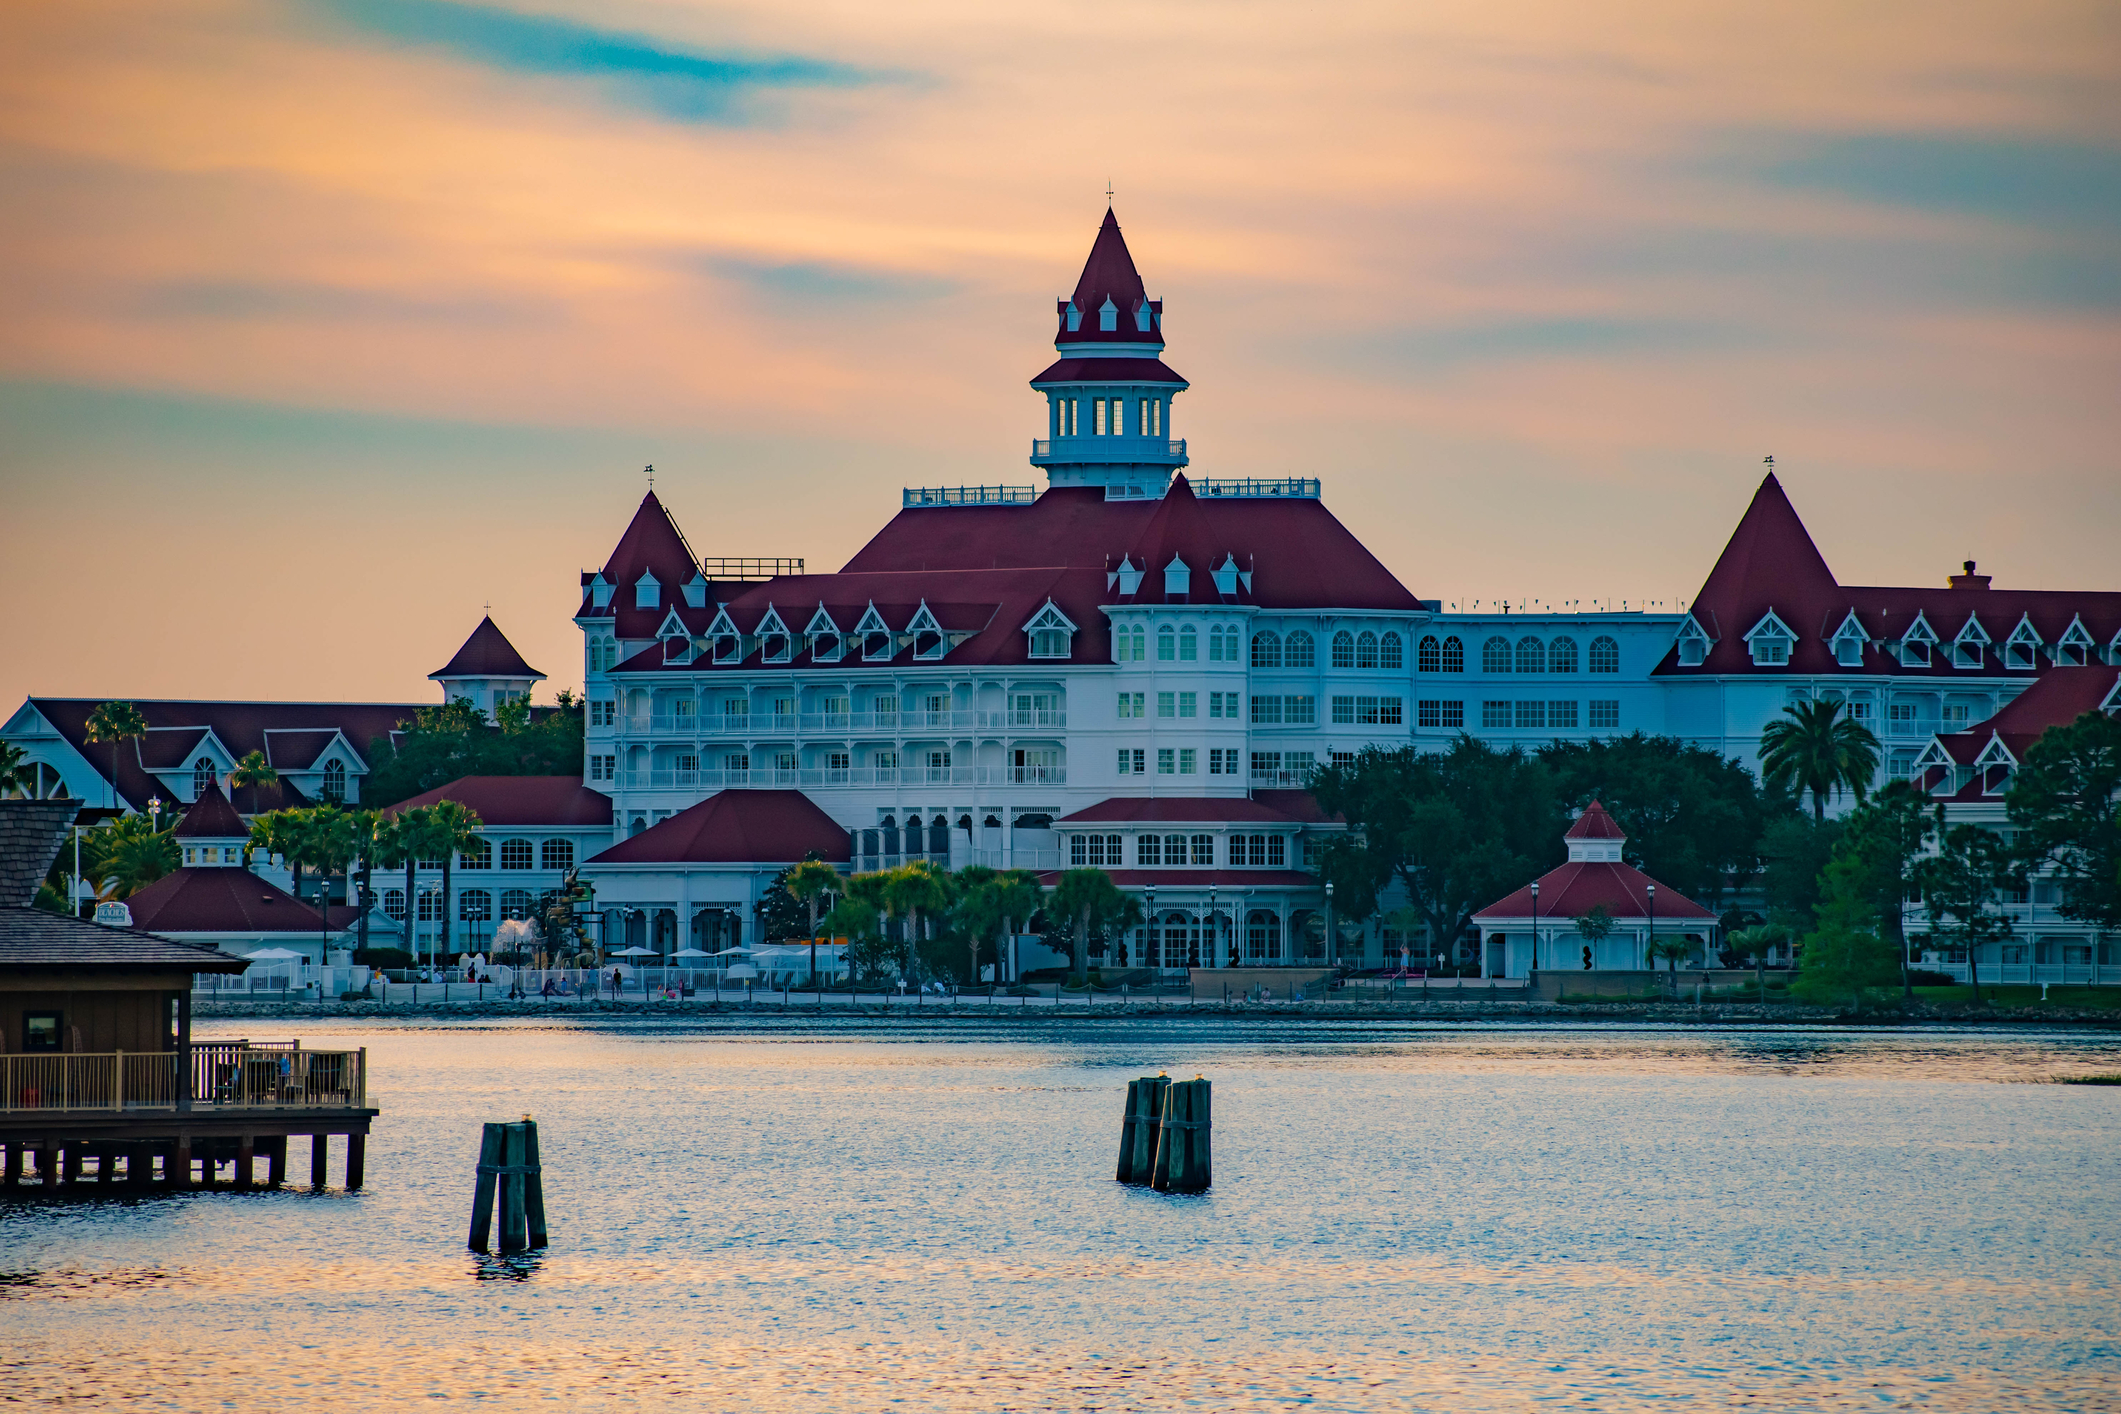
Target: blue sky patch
[2047,183]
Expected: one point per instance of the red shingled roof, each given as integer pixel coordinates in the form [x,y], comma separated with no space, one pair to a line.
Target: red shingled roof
[487,654]
[220,901]
[1771,563]
[2059,697]
[211,817]
[1595,824]
[737,827]
[1108,273]
[652,543]
[1109,370]
[521,800]
[1582,885]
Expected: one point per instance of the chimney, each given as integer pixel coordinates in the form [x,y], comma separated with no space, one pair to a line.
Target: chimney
[1969,580]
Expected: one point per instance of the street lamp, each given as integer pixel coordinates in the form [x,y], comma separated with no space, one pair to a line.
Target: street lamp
[1535,925]
[1330,940]
[1214,930]
[1650,892]
[1152,948]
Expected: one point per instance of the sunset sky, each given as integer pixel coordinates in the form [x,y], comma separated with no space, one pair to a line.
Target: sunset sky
[325,323]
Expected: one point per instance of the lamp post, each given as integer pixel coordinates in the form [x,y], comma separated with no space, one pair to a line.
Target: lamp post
[1330,939]
[1152,946]
[1650,892]
[1213,931]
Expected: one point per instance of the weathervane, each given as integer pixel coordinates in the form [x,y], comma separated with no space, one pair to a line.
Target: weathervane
[1108,191]
[649,472]
[1770,460]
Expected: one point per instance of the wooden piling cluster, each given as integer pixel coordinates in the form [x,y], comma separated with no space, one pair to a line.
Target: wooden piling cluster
[1164,1135]
[509,1168]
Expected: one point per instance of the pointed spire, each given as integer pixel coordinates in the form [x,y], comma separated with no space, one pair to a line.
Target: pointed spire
[211,817]
[486,654]
[1109,272]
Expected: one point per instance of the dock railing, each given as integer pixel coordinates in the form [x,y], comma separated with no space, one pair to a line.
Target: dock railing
[223,1074]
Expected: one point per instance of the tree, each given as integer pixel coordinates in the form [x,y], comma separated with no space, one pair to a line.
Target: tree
[808,883]
[17,776]
[1961,885]
[442,744]
[1595,927]
[123,856]
[1672,950]
[1794,850]
[913,888]
[1883,838]
[116,722]
[856,919]
[253,770]
[279,834]
[1814,749]
[1693,816]
[451,826]
[990,902]
[1848,951]
[1458,828]
[1088,896]
[407,845]
[2066,803]
[1756,943]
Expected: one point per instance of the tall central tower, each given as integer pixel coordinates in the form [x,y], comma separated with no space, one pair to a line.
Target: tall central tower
[1108,398]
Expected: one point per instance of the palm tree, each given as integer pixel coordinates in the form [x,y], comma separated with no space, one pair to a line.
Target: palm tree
[1671,950]
[913,887]
[278,833]
[408,845]
[807,883]
[115,722]
[17,776]
[451,826]
[1086,895]
[332,841]
[1755,943]
[1815,749]
[253,770]
[370,833]
[125,855]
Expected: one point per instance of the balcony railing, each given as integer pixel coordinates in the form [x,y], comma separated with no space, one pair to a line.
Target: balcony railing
[754,725]
[827,777]
[969,495]
[224,1075]
[1109,449]
[1284,780]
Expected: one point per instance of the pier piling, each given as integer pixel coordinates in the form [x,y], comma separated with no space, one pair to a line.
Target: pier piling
[511,1176]
[1183,1157]
[1139,1126]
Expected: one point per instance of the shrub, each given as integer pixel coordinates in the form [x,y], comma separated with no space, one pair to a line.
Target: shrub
[1919,977]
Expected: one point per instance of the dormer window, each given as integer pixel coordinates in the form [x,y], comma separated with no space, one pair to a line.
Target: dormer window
[599,593]
[647,592]
[1130,578]
[1693,646]
[1916,643]
[2073,649]
[1177,577]
[728,648]
[203,777]
[825,647]
[1968,646]
[696,592]
[1226,576]
[1075,317]
[334,787]
[1108,316]
[776,648]
[2020,648]
[1141,317]
[1770,641]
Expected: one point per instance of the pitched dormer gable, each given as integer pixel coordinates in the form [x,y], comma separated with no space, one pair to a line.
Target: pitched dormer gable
[1970,643]
[929,641]
[1916,643]
[672,626]
[725,639]
[878,642]
[821,621]
[1770,641]
[776,643]
[696,592]
[1226,575]
[1178,577]
[1052,633]
[2074,648]
[599,591]
[1128,577]
[647,591]
[1849,640]
[772,622]
[1693,643]
[2021,649]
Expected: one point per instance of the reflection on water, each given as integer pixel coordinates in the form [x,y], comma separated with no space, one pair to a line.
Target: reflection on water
[833,1218]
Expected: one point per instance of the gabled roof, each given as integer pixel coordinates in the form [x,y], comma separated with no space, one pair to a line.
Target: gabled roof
[240,727]
[211,817]
[298,749]
[2056,698]
[737,827]
[511,802]
[1771,563]
[220,901]
[30,938]
[31,834]
[173,748]
[486,654]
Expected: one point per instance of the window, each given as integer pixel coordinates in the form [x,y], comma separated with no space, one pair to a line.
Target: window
[1097,851]
[1222,645]
[1131,761]
[1454,655]
[1369,711]
[1188,761]
[556,854]
[1188,645]
[477,855]
[1343,649]
[1049,643]
[1604,656]
[1848,652]
[603,712]
[1266,763]
[1561,655]
[884,760]
[1259,851]
[1222,763]
[736,763]
[601,768]
[1531,715]
[1772,650]
[334,787]
[1166,644]
[826,648]
[1428,657]
[1203,850]
[1275,710]
[1130,644]
[1391,656]
[1189,704]
[1495,714]
[1604,715]
[1166,761]
[475,906]
[1266,650]
[204,778]
[1266,711]
[1366,649]
[1149,850]
[646,592]
[1097,414]
[1495,656]
[516,903]
[1531,656]
[1436,713]
[1132,704]
[515,854]
[1561,716]
[1167,704]
[394,904]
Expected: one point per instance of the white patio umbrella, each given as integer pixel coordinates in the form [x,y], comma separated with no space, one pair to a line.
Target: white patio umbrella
[690,953]
[275,955]
[635,951]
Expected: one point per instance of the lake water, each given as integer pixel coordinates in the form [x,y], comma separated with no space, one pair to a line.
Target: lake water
[1402,1218]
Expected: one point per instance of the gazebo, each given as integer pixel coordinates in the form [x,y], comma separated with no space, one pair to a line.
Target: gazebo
[1536,928]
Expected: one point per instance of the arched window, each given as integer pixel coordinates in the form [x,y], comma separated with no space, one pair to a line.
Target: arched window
[394,904]
[1262,936]
[1366,649]
[203,778]
[1495,656]
[1188,645]
[1428,655]
[475,906]
[334,788]
[515,854]
[1130,644]
[1343,649]
[1302,653]
[516,903]
[1561,656]
[1389,656]
[430,905]
[1604,655]
[1454,655]
[1531,656]
[476,855]
[1266,650]
[557,854]
[1166,644]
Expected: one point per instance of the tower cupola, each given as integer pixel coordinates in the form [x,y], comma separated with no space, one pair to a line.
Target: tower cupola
[1108,399]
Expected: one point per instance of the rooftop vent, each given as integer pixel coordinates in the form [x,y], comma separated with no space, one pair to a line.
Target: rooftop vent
[1969,580]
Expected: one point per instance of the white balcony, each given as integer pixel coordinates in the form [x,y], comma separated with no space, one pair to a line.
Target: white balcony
[706,782]
[682,726]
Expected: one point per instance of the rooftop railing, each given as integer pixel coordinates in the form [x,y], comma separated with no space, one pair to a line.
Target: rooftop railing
[1288,487]
[728,569]
[970,495]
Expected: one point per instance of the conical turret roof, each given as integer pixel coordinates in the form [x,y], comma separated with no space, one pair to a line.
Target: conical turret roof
[487,654]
